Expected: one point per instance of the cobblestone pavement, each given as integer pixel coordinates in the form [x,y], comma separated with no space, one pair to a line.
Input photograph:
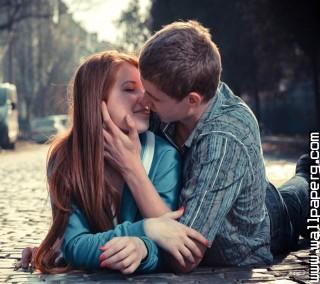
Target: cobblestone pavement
[24,219]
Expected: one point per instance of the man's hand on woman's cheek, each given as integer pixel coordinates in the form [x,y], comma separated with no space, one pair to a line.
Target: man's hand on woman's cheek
[123,253]
[120,149]
[186,245]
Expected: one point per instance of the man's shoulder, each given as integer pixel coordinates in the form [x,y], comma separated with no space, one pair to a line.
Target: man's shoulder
[233,118]
[231,108]
[229,122]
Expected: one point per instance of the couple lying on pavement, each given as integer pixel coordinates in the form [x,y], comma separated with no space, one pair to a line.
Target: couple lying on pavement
[115,186]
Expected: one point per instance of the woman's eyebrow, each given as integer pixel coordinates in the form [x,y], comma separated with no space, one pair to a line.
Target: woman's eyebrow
[128,82]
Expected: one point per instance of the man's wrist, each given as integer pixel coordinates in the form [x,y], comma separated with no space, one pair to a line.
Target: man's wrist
[147,226]
[135,174]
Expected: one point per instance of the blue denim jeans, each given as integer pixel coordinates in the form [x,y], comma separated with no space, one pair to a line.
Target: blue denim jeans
[288,208]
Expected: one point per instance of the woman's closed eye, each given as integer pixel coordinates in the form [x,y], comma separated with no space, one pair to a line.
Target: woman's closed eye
[129,89]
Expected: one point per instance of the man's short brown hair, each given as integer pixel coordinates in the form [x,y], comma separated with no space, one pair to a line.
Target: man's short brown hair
[182,58]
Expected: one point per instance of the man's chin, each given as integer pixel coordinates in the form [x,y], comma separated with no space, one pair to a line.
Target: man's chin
[165,120]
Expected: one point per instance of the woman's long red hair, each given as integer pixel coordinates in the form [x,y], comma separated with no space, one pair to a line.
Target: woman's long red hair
[75,165]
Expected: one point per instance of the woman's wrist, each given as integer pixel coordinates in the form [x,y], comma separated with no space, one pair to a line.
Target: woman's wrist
[145,250]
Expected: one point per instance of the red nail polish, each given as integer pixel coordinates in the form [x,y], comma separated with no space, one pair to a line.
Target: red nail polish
[102,257]
[181,208]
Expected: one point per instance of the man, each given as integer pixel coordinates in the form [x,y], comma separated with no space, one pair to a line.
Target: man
[224,181]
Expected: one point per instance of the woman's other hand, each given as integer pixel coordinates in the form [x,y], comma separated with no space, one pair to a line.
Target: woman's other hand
[182,242]
[27,256]
[123,253]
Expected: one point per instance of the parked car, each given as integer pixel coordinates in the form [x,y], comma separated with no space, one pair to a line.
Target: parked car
[9,126]
[44,128]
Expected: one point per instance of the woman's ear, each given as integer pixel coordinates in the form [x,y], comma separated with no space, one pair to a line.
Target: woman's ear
[194,99]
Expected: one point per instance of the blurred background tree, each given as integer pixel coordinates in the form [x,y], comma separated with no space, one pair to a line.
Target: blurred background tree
[270,52]
[135,26]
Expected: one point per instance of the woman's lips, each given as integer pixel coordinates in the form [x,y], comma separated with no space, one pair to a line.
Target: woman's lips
[142,111]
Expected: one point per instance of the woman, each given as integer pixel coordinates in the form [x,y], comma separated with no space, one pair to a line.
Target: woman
[90,203]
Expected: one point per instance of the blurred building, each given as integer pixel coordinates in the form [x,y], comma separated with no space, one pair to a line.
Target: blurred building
[39,51]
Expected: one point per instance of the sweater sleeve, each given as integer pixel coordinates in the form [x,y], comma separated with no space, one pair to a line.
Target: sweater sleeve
[80,247]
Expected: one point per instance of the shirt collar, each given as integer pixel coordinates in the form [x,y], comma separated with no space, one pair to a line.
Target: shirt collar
[168,129]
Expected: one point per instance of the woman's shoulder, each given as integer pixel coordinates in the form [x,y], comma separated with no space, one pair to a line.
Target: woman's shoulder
[164,150]
[161,145]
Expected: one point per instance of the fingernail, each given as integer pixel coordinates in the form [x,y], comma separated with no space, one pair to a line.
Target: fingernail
[207,243]
[102,257]
[181,208]
[106,265]
[102,247]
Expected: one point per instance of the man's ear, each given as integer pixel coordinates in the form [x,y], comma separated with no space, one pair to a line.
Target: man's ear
[194,99]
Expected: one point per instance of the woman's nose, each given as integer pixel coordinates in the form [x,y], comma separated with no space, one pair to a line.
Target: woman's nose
[144,101]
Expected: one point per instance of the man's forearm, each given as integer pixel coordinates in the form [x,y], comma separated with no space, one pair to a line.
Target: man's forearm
[146,196]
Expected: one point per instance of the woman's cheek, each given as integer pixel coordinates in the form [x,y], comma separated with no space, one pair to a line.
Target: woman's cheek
[142,124]
[117,117]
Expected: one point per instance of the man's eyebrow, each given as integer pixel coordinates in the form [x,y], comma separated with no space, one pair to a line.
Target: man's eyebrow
[152,96]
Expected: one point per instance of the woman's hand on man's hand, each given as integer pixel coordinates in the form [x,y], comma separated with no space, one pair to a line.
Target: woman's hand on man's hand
[186,245]
[123,253]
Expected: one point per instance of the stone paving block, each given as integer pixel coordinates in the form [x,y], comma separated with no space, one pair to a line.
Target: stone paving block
[243,277]
[261,270]
[299,276]
[254,281]
[285,281]
[8,271]
[262,276]
[294,266]
[290,258]
[6,265]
